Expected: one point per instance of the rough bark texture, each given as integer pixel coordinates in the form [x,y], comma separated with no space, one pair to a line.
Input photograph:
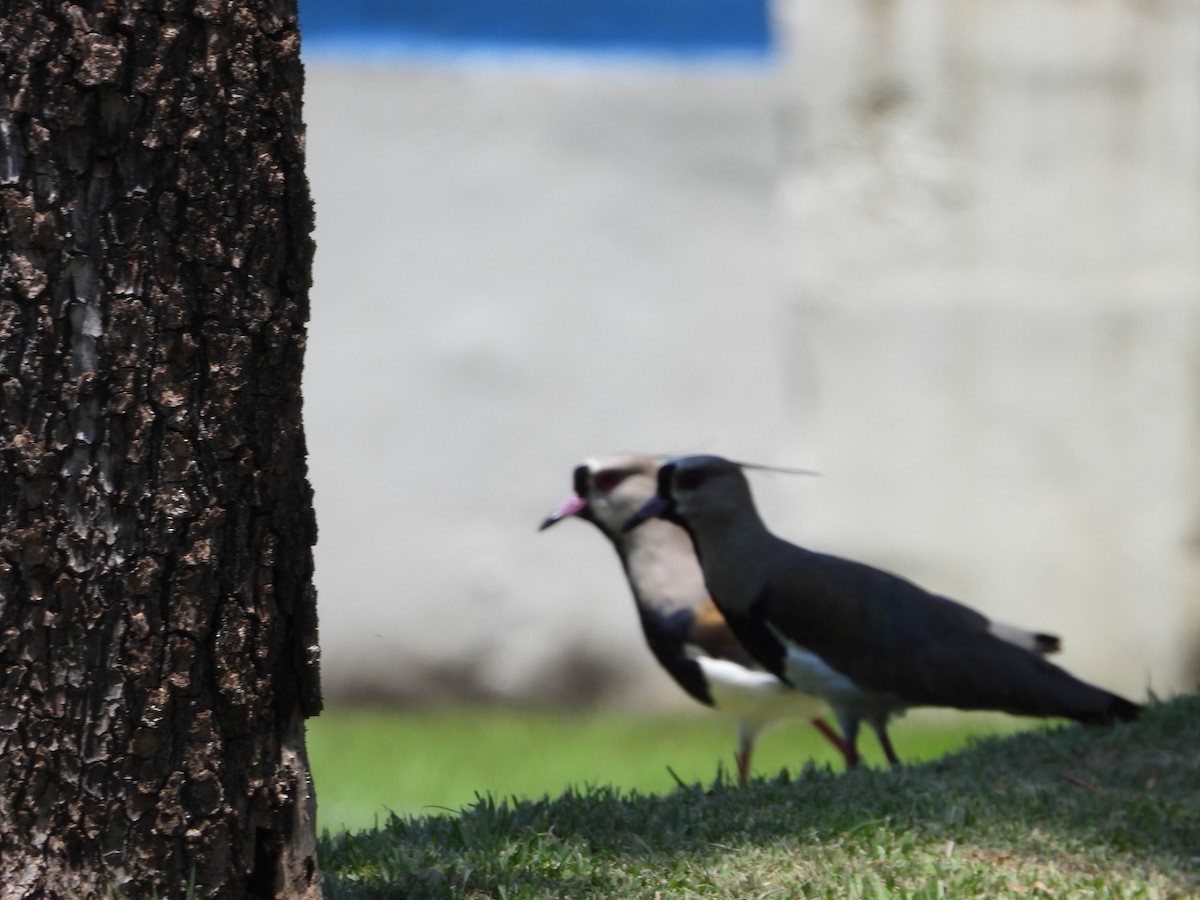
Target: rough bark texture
[157,615]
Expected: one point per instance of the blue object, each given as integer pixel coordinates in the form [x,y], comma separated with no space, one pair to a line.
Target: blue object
[674,28]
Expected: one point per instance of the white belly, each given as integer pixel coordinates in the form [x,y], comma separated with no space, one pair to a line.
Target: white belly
[757,698]
[811,674]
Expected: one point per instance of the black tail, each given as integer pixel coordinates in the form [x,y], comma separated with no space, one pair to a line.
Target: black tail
[1046,643]
[1118,710]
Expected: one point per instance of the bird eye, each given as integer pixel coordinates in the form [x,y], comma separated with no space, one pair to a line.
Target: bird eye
[607,479]
[689,481]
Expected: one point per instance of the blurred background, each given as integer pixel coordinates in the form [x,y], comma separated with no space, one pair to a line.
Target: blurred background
[946,253]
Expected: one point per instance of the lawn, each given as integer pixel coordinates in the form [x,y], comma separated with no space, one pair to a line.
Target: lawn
[1064,812]
[368,763]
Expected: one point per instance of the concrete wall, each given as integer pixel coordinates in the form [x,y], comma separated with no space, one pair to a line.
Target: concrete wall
[991,214]
[947,253]
[518,267]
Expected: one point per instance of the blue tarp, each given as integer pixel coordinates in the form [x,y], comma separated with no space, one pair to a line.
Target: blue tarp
[645,27]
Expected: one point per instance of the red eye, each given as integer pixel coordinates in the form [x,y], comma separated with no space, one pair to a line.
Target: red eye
[607,479]
[689,480]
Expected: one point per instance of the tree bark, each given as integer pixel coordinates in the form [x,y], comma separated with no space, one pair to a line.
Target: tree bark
[157,616]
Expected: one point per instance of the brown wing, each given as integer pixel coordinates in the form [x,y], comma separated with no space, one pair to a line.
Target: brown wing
[711,633]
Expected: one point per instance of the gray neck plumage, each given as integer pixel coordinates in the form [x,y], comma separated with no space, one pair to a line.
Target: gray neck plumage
[733,551]
[661,567]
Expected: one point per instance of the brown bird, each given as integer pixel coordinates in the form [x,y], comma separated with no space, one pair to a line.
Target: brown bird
[685,631]
[869,642]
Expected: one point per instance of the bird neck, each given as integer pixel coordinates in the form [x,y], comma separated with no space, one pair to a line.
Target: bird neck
[662,568]
[730,549]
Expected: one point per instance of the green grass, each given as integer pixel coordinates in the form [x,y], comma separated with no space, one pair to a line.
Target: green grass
[368,763]
[1069,812]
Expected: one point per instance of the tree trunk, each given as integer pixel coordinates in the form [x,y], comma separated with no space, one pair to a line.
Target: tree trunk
[157,614]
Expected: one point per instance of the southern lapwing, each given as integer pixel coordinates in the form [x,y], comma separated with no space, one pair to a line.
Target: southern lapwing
[868,641]
[686,633]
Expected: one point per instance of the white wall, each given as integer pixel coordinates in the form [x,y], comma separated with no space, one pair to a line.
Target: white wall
[992,239]
[518,268]
[947,253]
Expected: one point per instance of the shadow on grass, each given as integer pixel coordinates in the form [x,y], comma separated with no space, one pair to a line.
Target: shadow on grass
[1093,803]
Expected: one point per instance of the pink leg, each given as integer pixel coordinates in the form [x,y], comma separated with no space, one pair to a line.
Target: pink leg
[886,743]
[849,754]
[849,725]
[746,737]
[743,764]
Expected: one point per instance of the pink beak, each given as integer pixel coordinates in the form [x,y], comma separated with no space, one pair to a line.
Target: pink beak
[572,506]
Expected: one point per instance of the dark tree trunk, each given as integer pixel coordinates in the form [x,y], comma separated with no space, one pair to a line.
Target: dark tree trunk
[157,615]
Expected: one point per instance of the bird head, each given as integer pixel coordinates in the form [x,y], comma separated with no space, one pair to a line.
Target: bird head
[608,490]
[697,488]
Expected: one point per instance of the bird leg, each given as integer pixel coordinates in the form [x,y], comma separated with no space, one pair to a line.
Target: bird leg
[746,737]
[849,723]
[885,742]
[833,737]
